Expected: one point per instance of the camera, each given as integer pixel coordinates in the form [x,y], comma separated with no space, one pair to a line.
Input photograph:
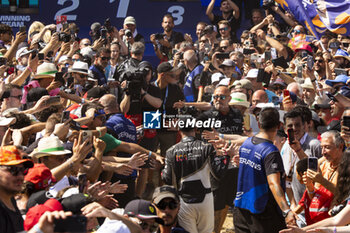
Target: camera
[135,81]
[64,37]
[268,3]
[189,110]
[159,36]
[108,25]
[128,33]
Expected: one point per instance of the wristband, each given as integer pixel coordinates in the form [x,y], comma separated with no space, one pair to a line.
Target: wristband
[37,229]
[313,80]
[221,135]
[335,230]
[149,154]
[82,100]
[30,69]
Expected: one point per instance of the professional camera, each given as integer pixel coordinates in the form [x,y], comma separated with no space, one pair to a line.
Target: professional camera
[268,3]
[188,110]
[135,81]
[108,25]
[128,33]
[159,36]
[64,37]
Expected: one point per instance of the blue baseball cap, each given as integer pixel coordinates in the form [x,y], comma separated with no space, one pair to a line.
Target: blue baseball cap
[345,91]
[339,79]
[341,53]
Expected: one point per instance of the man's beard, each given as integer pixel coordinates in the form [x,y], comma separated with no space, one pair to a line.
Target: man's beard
[8,191]
[172,223]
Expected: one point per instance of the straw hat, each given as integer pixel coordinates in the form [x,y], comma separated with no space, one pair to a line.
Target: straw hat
[79,67]
[49,146]
[46,70]
[239,98]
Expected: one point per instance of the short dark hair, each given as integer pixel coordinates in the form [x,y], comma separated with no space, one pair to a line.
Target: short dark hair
[168,16]
[102,50]
[87,106]
[301,166]
[305,112]
[294,113]
[5,28]
[269,118]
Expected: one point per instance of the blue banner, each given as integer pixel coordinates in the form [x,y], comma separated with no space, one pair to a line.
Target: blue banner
[319,15]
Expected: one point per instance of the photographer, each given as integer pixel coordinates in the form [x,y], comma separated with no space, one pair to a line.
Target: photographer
[137,51]
[163,43]
[129,32]
[139,95]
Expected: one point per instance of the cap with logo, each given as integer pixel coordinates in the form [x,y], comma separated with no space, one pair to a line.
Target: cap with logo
[165,191]
[141,209]
[40,176]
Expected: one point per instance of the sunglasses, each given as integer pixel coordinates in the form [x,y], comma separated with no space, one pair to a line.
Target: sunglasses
[87,44]
[221,97]
[203,41]
[171,204]
[297,31]
[223,29]
[152,228]
[105,58]
[15,171]
[276,88]
[223,47]
[74,60]
[320,61]
[19,97]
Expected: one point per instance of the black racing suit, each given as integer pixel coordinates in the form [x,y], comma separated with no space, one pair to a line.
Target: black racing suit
[189,158]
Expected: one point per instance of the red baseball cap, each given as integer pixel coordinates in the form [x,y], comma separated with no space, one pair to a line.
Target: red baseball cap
[33,215]
[40,176]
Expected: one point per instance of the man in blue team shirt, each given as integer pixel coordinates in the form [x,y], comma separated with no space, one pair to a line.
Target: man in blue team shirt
[123,129]
[260,204]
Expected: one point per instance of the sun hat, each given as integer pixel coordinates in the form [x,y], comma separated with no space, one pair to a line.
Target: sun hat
[6,121]
[239,98]
[40,176]
[49,146]
[79,67]
[9,155]
[33,215]
[165,191]
[46,70]
[21,52]
[307,84]
[129,20]
[216,77]
[227,63]
[252,73]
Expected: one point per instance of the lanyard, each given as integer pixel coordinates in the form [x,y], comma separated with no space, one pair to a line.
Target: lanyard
[166,95]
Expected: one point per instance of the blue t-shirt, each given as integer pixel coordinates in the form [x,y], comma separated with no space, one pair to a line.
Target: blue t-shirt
[124,130]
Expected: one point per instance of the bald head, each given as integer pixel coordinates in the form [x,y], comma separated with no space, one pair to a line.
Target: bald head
[109,103]
[190,58]
[259,96]
[222,89]
[295,88]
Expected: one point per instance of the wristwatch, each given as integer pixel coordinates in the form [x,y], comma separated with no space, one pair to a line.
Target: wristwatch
[285,213]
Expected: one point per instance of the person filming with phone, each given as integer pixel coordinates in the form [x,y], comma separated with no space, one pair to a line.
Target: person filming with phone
[300,145]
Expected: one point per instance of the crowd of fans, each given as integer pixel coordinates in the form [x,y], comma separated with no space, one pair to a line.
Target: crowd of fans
[75,156]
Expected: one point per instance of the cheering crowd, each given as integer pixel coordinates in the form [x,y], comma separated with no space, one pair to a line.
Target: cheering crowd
[77,153]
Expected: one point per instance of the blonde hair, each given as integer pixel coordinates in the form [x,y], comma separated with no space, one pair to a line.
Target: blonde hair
[37,26]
